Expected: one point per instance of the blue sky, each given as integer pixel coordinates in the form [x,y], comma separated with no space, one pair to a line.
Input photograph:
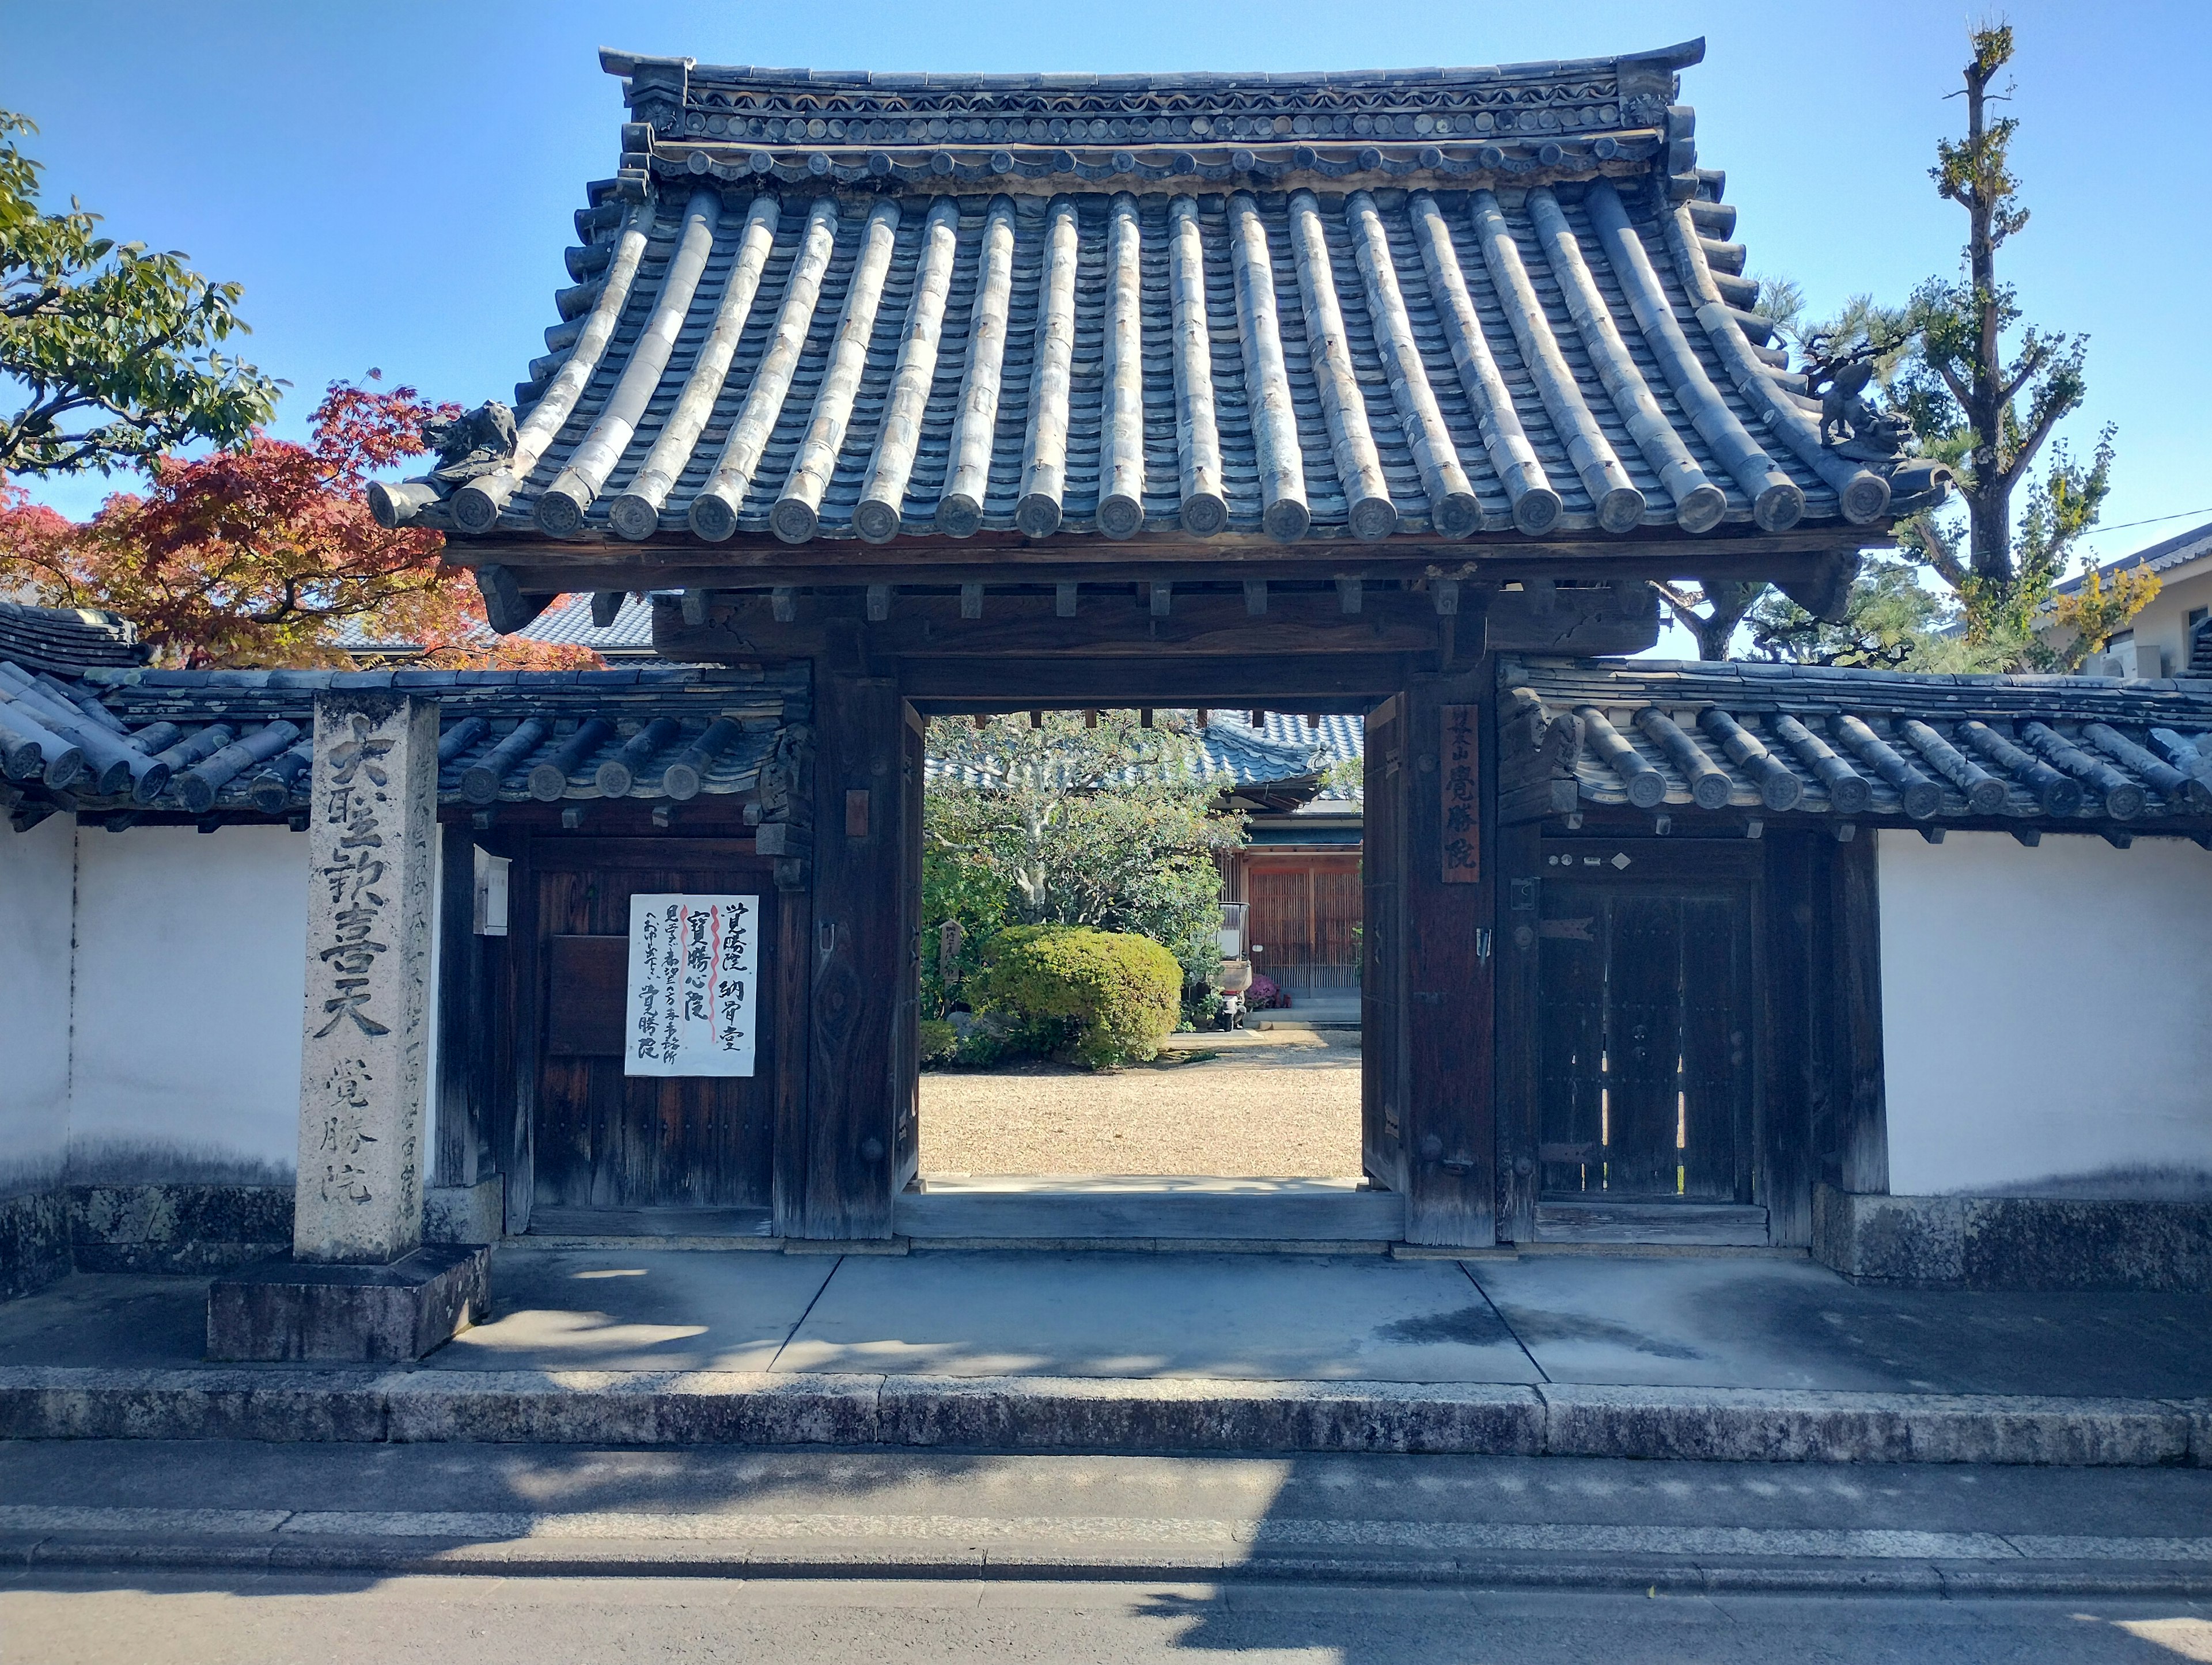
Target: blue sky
[393,183]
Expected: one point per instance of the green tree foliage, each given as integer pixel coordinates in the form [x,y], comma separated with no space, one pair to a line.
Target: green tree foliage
[1891,620]
[1983,392]
[1093,998]
[1112,827]
[109,353]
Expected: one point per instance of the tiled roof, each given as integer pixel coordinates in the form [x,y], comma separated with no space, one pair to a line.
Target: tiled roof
[2167,553]
[570,624]
[61,639]
[1733,742]
[1417,305]
[236,742]
[1231,754]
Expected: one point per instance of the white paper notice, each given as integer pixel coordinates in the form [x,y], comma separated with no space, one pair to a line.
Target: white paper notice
[693,963]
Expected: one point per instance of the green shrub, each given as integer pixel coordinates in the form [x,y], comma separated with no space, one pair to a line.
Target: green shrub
[940,1042]
[1094,998]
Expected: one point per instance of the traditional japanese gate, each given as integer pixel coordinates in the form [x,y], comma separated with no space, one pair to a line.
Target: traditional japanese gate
[1000,394]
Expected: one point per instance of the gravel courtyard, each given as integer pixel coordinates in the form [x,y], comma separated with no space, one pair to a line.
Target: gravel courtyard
[1280,1104]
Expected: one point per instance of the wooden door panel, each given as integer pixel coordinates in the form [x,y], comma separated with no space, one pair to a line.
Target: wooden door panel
[604,1139]
[1645,1081]
[585,996]
[1715,1073]
[1571,1044]
[1282,921]
[1642,1039]
[1336,918]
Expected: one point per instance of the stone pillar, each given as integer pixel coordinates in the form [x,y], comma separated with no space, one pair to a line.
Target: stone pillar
[360,1285]
[372,852]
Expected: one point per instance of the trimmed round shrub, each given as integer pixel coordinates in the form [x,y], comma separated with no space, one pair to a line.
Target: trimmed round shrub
[1093,998]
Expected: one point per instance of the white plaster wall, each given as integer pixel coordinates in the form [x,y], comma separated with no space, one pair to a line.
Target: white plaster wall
[191,983]
[2047,1016]
[37,877]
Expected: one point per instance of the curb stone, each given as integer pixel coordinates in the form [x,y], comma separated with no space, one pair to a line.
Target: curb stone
[385,1557]
[1103,1415]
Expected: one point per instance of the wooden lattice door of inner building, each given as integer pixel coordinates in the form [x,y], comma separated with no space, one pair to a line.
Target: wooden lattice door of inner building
[1304,924]
[1645,970]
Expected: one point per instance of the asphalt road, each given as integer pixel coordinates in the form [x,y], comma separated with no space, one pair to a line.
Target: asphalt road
[166,1621]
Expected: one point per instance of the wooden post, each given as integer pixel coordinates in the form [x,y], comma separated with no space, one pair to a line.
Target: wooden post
[1450,1120]
[1382,972]
[1863,1127]
[525,979]
[860,958]
[458,1038]
[1794,1013]
[1515,856]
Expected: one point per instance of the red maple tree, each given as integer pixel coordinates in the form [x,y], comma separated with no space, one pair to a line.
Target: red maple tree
[265,555]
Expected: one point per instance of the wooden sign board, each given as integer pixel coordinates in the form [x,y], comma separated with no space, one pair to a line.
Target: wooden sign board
[693,964]
[1461,797]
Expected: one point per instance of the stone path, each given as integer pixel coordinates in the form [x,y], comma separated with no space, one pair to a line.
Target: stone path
[1279,1102]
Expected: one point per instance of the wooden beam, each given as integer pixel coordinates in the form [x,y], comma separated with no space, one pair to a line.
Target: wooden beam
[860,957]
[1450,1119]
[1387,772]
[1863,1131]
[1517,857]
[672,562]
[1328,682]
[1793,998]
[745,626]
[508,605]
[460,1039]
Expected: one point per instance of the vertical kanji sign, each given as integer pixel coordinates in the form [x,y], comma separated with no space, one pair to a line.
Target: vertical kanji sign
[1460,799]
[693,963]
[372,853]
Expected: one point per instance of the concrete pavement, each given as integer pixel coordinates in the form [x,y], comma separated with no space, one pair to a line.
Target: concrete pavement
[1746,1357]
[1702,1320]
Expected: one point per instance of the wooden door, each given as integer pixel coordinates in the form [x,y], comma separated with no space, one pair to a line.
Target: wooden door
[1336,927]
[1281,923]
[604,1140]
[1646,1079]
[1305,919]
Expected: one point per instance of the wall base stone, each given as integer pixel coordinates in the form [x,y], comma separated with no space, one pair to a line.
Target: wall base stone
[464,1213]
[178,1228]
[299,1311]
[2014,1242]
[34,1245]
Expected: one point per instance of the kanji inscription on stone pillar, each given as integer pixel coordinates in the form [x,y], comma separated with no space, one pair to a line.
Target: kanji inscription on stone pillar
[370,856]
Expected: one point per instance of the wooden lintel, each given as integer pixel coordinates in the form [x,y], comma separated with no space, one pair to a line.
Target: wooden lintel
[1283,681]
[598,567]
[909,554]
[749,627]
